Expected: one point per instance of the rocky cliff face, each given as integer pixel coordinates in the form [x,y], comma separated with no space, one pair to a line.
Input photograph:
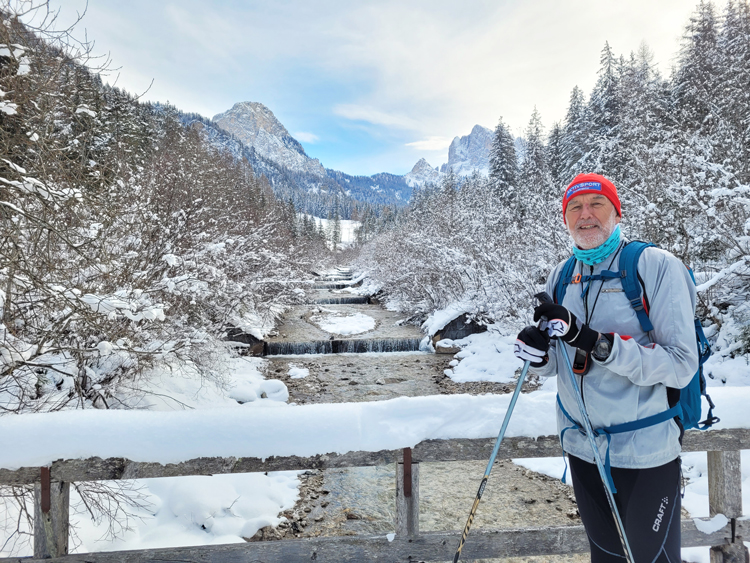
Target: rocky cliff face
[421,174]
[256,126]
[470,153]
[465,155]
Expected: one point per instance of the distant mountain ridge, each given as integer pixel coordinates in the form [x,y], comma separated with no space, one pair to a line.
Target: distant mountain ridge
[422,173]
[256,126]
[273,151]
[470,153]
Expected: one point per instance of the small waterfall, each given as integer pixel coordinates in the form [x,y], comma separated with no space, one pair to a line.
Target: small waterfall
[353,300]
[294,348]
[331,285]
[350,346]
[377,345]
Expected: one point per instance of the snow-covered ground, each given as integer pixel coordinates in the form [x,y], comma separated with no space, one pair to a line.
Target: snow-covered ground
[202,419]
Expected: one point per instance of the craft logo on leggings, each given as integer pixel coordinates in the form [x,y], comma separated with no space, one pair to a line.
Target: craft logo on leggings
[660,515]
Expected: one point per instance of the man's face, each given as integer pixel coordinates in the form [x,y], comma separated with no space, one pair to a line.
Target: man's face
[591,218]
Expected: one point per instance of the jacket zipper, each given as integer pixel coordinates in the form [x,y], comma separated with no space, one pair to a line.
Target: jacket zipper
[586,319]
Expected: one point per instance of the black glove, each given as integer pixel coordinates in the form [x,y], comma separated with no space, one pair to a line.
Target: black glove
[563,324]
[532,345]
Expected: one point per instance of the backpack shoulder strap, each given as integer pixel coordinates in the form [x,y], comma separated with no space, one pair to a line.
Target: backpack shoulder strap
[629,278]
[563,280]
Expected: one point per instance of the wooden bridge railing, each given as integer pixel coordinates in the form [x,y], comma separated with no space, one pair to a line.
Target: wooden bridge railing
[52,488]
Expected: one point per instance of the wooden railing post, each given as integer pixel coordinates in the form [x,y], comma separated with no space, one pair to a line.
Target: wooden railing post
[407,497]
[725,497]
[51,517]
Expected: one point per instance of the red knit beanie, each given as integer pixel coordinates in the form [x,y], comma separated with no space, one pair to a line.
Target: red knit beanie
[591,184]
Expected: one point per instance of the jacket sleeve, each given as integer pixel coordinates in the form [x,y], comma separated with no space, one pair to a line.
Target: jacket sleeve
[671,357]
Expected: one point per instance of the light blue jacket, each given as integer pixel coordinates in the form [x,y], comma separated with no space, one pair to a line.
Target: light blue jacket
[632,383]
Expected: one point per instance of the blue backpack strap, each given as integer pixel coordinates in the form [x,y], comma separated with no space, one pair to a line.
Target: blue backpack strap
[575,426]
[566,274]
[630,284]
[704,348]
[644,422]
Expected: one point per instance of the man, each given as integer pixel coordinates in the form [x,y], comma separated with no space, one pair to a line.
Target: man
[624,375]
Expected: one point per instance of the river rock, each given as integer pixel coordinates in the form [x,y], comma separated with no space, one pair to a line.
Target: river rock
[460,327]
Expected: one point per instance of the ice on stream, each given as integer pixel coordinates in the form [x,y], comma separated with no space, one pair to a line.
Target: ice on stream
[343,324]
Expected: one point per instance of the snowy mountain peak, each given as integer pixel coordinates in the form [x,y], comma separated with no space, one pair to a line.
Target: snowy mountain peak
[470,153]
[421,174]
[256,126]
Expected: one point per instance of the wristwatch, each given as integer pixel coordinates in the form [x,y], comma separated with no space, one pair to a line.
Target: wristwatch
[602,349]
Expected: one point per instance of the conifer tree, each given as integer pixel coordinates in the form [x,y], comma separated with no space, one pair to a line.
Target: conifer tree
[555,158]
[503,164]
[603,116]
[696,78]
[336,226]
[574,135]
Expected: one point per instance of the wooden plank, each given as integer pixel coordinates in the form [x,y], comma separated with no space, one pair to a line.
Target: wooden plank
[725,497]
[430,546]
[51,518]
[724,484]
[97,469]
[733,553]
[407,507]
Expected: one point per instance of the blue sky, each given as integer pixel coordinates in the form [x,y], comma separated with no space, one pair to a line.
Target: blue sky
[372,86]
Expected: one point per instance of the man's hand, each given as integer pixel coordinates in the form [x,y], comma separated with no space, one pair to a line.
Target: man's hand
[532,345]
[562,324]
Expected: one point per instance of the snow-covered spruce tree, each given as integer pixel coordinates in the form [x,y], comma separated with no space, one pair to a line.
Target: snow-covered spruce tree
[644,142]
[503,164]
[734,101]
[539,216]
[574,131]
[555,156]
[603,152]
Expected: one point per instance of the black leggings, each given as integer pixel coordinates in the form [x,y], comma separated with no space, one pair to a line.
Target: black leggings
[649,504]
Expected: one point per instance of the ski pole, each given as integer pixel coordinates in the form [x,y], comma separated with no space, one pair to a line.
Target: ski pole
[495,450]
[545,298]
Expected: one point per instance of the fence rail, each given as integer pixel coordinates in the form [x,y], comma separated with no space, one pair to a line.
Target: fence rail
[52,500]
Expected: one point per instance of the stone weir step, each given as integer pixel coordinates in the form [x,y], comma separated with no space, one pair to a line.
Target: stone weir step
[343,300]
[333,285]
[343,346]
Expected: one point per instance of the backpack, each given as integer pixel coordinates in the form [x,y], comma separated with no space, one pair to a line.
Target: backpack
[688,406]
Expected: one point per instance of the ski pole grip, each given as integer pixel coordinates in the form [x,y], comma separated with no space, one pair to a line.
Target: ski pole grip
[544,297]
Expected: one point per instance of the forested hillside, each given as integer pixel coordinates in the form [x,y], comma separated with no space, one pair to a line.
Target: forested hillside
[677,148]
[352,196]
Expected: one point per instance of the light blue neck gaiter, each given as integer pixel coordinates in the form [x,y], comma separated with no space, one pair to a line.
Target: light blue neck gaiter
[593,256]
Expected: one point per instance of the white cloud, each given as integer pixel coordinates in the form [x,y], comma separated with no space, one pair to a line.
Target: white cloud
[375,116]
[306,137]
[431,144]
